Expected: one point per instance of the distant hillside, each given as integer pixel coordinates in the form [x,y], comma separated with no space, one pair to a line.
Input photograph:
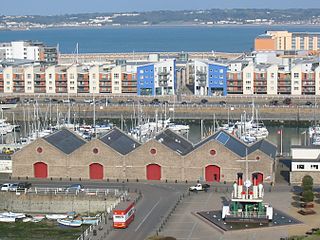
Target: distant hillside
[196,17]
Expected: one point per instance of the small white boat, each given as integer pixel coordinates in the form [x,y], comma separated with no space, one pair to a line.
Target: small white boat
[37,218]
[12,215]
[27,219]
[56,216]
[7,219]
[70,223]
[90,220]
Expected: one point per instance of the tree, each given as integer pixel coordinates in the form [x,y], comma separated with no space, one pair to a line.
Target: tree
[307,183]
[307,196]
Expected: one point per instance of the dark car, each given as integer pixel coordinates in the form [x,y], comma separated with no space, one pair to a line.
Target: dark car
[274,102]
[23,185]
[184,103]
[222,102]
[309,103]
[204,101]
[287,101]
[155,101]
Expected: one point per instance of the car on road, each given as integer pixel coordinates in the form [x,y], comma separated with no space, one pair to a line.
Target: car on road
[74,188]
[309,103]
[222,102]
[199,187]
[184,103]
[5,187]
[88,100]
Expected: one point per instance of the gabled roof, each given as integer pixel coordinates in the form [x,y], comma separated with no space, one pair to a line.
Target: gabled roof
[175,142]
[119,141]
[65,140]
[238,147]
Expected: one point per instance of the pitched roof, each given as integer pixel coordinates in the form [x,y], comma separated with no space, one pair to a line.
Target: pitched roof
[175,142]
[238,147]
[119,141]
[65,140]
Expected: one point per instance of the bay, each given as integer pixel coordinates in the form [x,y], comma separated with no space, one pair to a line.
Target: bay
[151,38]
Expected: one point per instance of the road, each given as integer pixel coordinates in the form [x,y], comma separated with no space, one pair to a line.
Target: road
[157,200]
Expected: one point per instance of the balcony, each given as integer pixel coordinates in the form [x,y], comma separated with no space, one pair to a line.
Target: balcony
[163,83]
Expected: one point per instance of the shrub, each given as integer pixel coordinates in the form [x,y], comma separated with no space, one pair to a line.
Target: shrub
[307,183]
[307,196]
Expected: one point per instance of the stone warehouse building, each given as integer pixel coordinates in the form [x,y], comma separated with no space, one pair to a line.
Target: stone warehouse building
[168,156]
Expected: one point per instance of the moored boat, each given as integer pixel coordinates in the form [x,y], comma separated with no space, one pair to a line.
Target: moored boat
[56,216]
[70,223]
[7,219]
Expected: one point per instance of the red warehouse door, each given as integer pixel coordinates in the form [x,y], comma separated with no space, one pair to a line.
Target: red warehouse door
[40,170]
[259,178]
[212,173]
[153,172]
[96,171]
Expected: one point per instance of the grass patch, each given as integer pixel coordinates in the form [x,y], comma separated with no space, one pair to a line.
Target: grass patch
[37,231]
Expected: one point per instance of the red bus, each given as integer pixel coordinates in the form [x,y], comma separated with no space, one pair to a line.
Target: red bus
[123,214]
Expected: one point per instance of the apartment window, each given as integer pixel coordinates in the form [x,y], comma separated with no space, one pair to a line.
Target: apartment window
[146,70]
[29,88]
[116,88]
[50,76]
[211,76]
[71,82]
[116,82]
[94,88]
[71,76]
[71,88]
[29,82]
[94,76]
[141,77]
[28,76]
[221,76]
[7,75]
[50,88]
[210,70]
[296,82]
[248,88]
[141,71]
[272,75]
[314,166]
[8,83]
[248,75]
[50,82]
[296,75]
[301,166]
[116,76]
[248,82]
[8,88]
[296,88]
[221,70]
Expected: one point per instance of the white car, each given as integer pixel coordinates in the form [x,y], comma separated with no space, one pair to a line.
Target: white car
[5,187]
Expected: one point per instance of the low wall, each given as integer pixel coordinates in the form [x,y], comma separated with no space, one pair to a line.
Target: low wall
[55,203]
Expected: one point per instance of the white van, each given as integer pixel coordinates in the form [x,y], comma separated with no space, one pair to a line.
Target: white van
[5,187]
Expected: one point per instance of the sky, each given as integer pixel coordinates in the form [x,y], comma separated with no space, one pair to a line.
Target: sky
[56,7]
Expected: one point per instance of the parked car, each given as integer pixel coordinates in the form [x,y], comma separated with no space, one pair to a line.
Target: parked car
[66,100]
[5,187]
[273,102]
[204,101]
[309,103]
[222,102]
[13,187]
[88,100]
[287,101]
[23,185]
[155,101]
[199,187]
[184,103]
[75,188]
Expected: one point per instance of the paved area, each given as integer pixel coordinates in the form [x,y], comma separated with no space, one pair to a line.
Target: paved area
[185,226]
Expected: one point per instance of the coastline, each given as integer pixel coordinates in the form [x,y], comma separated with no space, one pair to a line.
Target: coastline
[173,25]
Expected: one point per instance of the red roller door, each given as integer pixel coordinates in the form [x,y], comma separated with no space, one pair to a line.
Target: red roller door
[153,172]
[40,170]
[96,171]
[212,173]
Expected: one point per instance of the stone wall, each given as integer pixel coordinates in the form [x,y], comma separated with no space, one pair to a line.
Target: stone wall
[28,203]
[296,177]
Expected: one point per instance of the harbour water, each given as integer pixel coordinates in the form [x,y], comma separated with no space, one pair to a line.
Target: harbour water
[151,38]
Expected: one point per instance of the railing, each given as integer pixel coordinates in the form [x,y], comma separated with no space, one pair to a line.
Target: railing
[65,191]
